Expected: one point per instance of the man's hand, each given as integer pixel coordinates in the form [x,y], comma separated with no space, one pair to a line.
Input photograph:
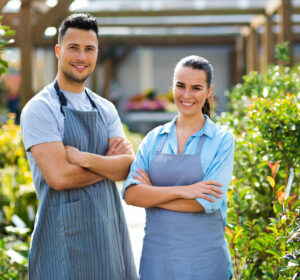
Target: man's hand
[73,155]
[120,146]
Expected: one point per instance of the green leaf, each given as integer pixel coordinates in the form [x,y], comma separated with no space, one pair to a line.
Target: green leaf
[274,252]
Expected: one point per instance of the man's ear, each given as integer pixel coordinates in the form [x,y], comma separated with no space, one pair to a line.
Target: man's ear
[57,50]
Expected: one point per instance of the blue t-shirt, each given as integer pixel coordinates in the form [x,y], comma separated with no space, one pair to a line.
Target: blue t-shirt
[216,157]
[43,122]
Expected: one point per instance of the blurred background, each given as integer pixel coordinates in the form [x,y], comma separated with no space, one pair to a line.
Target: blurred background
[140,43]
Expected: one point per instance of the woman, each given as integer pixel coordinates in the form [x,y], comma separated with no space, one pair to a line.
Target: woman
[180,175]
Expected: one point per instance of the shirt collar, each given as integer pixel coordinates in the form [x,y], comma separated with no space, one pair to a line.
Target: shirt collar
[209,128]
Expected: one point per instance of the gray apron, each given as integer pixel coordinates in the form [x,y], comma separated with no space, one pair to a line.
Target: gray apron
[81,233]
[182,246]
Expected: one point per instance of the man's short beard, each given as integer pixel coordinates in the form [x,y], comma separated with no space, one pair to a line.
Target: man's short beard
[72,78]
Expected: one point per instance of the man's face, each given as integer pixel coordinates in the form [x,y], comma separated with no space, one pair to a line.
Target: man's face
[77,54]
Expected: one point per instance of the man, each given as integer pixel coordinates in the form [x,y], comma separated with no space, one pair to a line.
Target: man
[80,230]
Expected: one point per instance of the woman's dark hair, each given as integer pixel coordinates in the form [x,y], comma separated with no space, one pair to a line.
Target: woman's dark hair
[79,21]
[199,63]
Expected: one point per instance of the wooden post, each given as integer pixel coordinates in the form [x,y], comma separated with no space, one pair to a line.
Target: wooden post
[251,51]
[108,73]
[25,43]
[240,51]
[267,39]
[94,79]
[285,25]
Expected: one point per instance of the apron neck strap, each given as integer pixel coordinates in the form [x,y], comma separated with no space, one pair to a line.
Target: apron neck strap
[63,100]
[162,142]
[200,144]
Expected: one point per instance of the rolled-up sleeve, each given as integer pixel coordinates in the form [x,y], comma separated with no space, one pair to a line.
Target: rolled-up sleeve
[220,170]
[141,162]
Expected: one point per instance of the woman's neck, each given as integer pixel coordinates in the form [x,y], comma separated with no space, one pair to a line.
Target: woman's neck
[190,125]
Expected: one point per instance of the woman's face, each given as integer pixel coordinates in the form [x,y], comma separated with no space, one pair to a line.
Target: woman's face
[190,90]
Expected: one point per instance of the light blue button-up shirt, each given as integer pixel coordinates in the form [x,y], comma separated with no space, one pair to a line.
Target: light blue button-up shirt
[216,157]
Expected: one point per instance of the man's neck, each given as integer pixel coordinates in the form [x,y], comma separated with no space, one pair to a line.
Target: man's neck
[68,85]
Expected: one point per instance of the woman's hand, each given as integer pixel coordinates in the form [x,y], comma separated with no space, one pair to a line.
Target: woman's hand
[201,189]
[143,177]
[120,146]
[73,155]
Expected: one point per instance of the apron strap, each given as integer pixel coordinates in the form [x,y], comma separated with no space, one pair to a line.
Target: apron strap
[91,100]
[63,100]
[200,144]
[162,142]
[61,97]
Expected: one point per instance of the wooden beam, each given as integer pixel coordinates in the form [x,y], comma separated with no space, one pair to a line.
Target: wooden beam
[177,12]
[177,24]
[25,44]
[268,43]
[153,40]
[3,3]
[51,18]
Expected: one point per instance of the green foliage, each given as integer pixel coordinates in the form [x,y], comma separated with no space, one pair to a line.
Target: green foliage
[4,32]
[17,201]
[282,52]
[263,228]
[17,195]
[14,254]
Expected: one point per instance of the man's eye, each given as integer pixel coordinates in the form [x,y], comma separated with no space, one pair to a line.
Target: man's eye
[180,86]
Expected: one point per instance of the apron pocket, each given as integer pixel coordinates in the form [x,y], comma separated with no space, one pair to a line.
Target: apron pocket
[74,217]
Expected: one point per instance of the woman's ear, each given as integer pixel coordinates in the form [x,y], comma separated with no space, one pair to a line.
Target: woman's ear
[208,93]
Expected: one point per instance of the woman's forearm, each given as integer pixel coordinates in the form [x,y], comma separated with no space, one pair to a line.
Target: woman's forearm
[145,195]
[149,196]
[182,205]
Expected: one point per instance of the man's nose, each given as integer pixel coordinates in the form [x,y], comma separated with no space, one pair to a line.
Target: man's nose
[81,55]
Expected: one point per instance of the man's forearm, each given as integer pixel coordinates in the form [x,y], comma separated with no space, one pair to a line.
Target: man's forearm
[115,168]
[74,177]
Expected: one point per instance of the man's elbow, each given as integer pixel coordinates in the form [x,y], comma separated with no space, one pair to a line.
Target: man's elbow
[58,184]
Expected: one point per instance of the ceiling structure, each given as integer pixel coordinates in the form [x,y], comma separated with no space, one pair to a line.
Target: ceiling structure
[124,24]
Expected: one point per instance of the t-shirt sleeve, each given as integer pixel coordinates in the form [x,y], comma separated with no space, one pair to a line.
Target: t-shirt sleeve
[114,125]
[220,170]
[38,124]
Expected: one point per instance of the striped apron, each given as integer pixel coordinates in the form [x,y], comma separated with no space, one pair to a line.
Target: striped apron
[81,233]
[182,246]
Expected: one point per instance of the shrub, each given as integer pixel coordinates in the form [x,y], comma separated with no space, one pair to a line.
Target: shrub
[263,228]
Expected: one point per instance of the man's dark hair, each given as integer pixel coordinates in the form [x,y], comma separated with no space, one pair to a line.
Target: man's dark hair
[79,21]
